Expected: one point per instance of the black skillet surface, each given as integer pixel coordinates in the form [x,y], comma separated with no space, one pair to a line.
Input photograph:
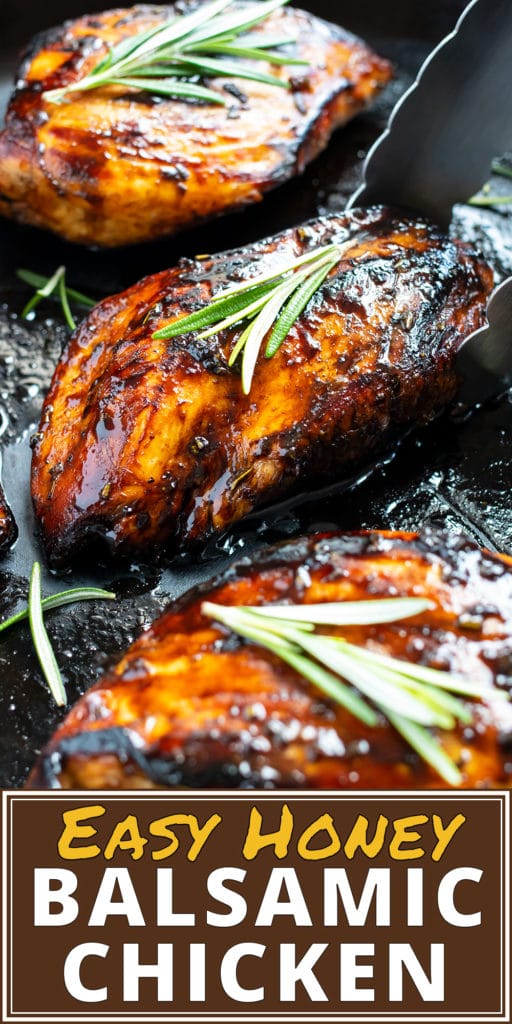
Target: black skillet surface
[456,474]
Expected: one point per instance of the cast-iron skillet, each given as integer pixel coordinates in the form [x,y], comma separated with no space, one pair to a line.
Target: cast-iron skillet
[455,474]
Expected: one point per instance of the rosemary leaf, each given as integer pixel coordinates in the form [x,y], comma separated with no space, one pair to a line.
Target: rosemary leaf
[34,613]
[223,69]
[447,680]
[347,613]
[259,328]
[178,28]
[504,170]
[157,71]
[171,87]
[385,693]
[326,681]
[43,647]
[130,51]
[195,45]
[262,40]
[428,748]
[247,629]
[412,697]
[251,53]
[213,313]
[65,303]
[252,338]
[270,302]
[332,686]
[44,291]
[38,281]
[65,597]
[276,273]
[258,301]
[53,287]
[295,307]
[485,197]
[241,616]
[240,345]
[436,698]
[122,51]
[382,682]
[490,200]
[236,21]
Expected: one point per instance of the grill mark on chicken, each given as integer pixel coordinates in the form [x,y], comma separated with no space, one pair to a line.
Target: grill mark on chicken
[98,168]
[145,442]
[190,704]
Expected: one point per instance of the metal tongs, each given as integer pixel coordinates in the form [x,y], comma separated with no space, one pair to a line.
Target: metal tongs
[437,151]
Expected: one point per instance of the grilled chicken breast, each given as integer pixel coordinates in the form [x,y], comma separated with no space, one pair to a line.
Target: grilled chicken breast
[145,442]
[115,166]
[192,704]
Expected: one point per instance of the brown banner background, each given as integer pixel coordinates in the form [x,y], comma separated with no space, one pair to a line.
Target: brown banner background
[474,957]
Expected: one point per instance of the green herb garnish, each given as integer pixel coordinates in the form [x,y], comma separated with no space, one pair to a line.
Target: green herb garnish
[73,596]
[53,287]
[41,640]
[498,167]
[270,304]
[34,613]
[490,200]
[412,697]
[168,60]
[485,197]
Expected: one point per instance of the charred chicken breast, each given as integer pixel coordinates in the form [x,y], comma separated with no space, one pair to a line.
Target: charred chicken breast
[193,704]
[115,165]
[145,442]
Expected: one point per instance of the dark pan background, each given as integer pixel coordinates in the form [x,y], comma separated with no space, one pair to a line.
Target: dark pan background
[454,474]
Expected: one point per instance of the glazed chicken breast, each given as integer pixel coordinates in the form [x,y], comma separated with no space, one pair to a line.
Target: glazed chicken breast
[146,442]
[193,704]
[115,165]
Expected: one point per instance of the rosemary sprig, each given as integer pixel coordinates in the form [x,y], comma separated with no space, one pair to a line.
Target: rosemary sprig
[64,597]
[269,304]
[490,200]
[504,170]
[53,287]
[168,60]
[485,197]
[413,698]
[41,640]
[34,612]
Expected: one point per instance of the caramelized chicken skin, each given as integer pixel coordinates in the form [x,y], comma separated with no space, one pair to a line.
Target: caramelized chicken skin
[115,166]
[192,704]
[144,442]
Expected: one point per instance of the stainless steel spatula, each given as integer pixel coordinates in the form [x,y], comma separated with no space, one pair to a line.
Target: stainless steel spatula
[437,151]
